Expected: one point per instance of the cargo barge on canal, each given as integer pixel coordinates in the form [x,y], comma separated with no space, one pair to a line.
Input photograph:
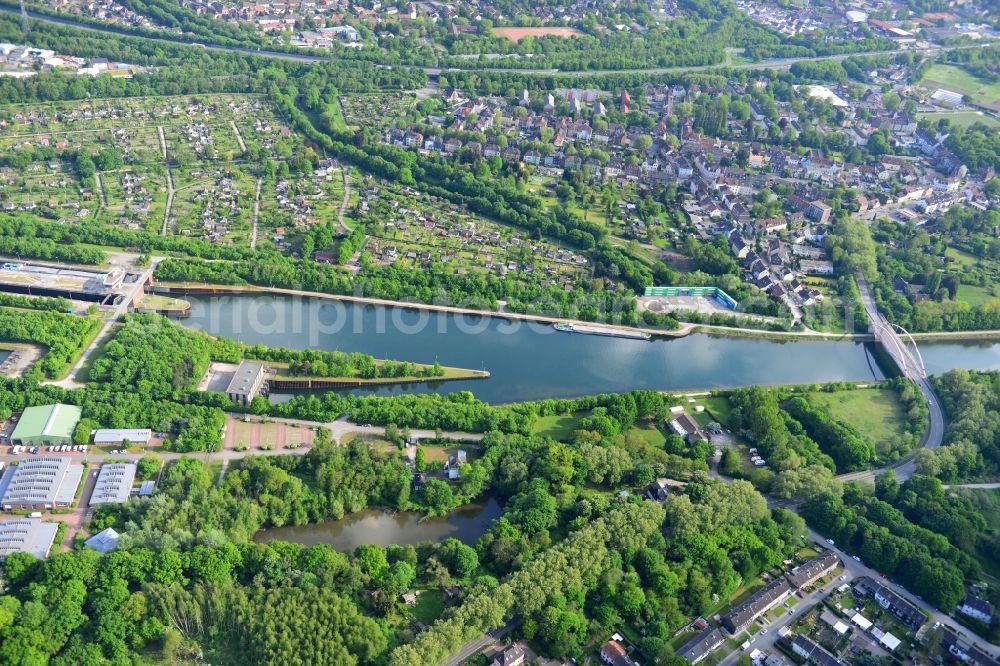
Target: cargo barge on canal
[599,330]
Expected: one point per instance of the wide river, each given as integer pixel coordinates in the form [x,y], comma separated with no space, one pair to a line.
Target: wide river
[529,361]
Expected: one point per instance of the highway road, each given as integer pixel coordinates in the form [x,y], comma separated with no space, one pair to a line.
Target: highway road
[909,362]
[433,72]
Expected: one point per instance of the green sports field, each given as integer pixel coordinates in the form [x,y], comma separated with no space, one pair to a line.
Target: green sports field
[954,78]
[962,119]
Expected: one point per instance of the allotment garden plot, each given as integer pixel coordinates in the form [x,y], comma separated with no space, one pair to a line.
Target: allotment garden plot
[414,229]
[188,165]
[375,110]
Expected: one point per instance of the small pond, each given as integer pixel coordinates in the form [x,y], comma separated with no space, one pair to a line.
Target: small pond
[382,527]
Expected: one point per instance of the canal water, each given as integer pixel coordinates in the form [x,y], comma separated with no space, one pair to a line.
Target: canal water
[940,357]
[527,361]
[380,527]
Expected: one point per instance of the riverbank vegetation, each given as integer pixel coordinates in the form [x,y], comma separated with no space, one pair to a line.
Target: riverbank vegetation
[167,360]
[191,575]
[971,401]
[193,581]
[54,304]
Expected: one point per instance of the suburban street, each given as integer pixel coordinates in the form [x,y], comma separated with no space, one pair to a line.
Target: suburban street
[472,648]
[338,429]
[853,570]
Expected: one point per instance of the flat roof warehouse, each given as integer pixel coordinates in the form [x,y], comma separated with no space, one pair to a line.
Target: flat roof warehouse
[40,483]
[47,424]
[27,535]
[119,435]
[114,484]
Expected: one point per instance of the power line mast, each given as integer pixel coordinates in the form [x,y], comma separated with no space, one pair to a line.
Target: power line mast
[25,28]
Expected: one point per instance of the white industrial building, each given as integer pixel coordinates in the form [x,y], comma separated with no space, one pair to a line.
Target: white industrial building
[27,535]
[114,484]
[40,483]
[116,436]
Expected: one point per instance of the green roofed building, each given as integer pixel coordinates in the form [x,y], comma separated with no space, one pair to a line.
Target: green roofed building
[47,424]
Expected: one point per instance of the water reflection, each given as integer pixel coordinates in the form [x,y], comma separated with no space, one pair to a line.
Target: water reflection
[382,527]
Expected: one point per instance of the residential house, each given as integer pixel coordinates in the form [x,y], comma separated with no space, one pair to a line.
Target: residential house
[976,608]
[814,653]
[613,654]
[687,427]
[511,656]
[702,645]
[740,617]
[808,573]
[904,610]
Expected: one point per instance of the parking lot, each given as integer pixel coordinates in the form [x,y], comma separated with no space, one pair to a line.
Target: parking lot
[661,304]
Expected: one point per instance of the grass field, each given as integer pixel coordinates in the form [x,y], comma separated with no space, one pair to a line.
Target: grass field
[961,256]
[440,453]
[719,407]
[558,426]
[974,295]
[337,116]
[962,119]
[650,434]
[429,606]
[158,302]
[958,80]
[877,412]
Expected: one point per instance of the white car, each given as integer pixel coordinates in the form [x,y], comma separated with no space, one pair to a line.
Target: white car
[855,558]
[830,541]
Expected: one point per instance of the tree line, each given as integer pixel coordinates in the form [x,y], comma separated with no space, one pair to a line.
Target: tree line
[921,560]
[64,336]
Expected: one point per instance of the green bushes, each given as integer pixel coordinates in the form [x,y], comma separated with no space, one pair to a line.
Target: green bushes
[841,441]
[921,560]
[64,336]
